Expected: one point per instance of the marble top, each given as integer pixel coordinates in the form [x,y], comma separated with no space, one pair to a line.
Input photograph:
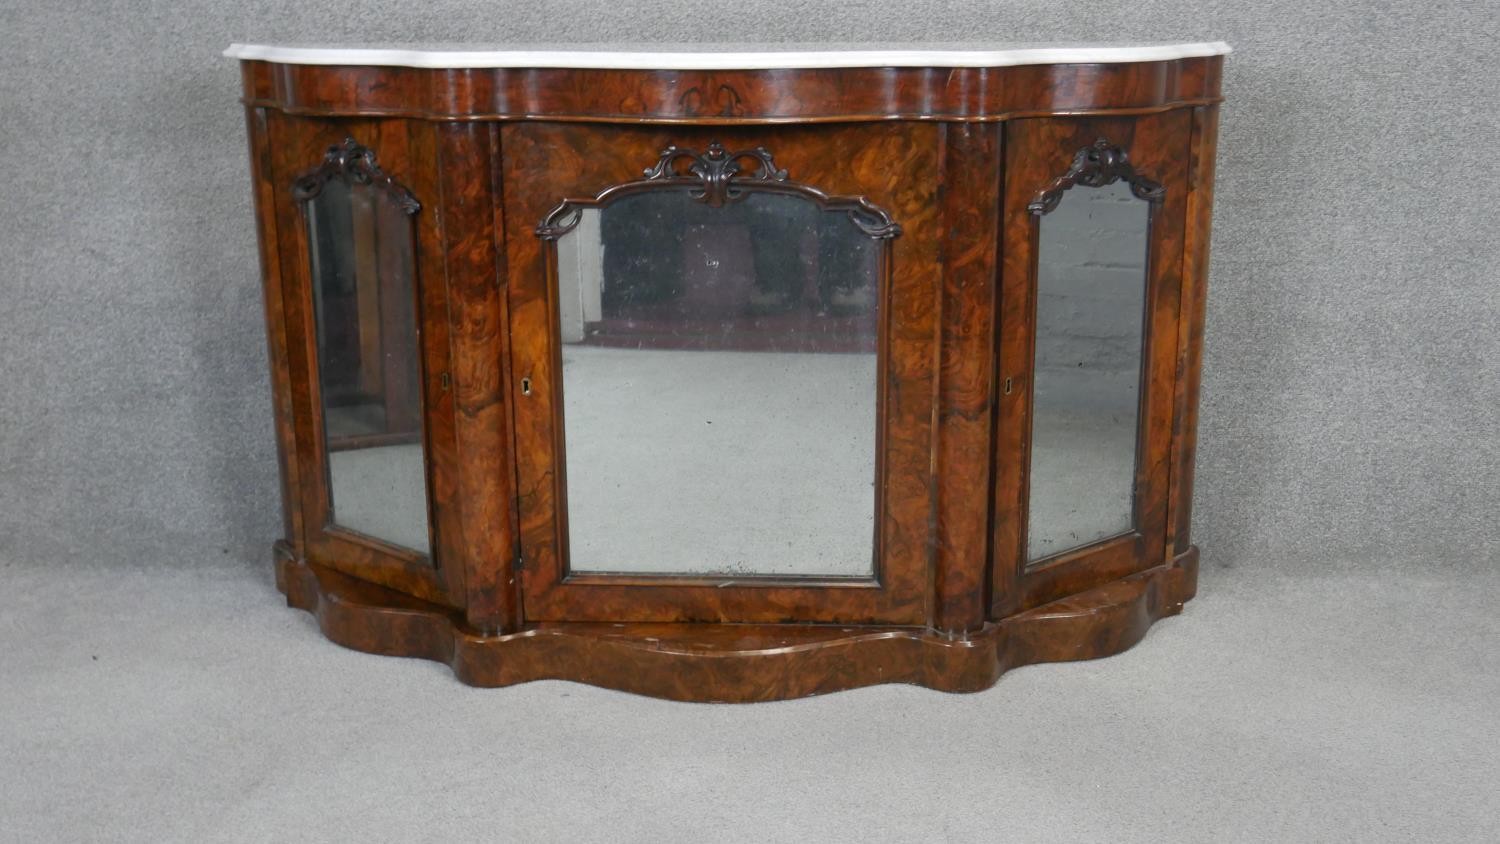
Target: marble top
[720,56]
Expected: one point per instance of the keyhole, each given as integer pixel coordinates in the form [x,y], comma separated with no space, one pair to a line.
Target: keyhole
[525,386]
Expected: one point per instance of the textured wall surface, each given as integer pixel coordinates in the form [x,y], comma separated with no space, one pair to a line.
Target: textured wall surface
[1353,364]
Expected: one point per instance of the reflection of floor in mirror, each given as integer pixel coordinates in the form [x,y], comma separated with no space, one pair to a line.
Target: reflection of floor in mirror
[381,492]
[1082,458]
[721,462]
[1082,477]
[805,328]
[737,463]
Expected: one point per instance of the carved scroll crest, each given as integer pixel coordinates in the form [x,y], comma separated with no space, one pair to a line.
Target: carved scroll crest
[716,177]
[715,168]
[355,165]
[1099,164]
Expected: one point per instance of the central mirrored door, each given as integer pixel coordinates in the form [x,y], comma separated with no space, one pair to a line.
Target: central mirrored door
[703,375]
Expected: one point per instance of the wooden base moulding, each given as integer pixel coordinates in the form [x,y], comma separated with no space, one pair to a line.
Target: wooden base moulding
[737,663]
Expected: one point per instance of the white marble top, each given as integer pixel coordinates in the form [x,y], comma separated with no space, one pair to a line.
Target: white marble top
[721,56]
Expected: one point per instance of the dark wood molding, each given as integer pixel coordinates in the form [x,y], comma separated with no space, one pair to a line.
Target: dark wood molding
[262,166]
[1095,166]
[354,164]
[1203,149]
[715,167]
[739,97]
[714,177]
[738,663]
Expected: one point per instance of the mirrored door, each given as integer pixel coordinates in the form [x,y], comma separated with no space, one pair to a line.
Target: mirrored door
[702,370]
[365,324]
[1088,348]
[361,245]
[1093,231]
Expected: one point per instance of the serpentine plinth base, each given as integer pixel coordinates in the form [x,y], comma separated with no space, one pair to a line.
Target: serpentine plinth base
[734,662]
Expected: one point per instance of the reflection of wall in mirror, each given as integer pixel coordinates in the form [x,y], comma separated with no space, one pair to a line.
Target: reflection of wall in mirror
[580,276]
[1091,282]
[1090,285]
[767,272]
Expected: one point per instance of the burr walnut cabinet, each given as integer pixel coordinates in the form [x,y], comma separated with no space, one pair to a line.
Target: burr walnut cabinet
[735,373]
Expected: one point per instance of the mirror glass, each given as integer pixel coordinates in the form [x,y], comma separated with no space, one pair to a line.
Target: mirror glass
[360,240]
[719,387]
[1090,308]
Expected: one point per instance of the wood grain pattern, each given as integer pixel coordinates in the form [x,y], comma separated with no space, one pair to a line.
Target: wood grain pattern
[735,663]
[262,170]
[450,550]
[1195,249]
[475,269]
[728,97]
[966,396]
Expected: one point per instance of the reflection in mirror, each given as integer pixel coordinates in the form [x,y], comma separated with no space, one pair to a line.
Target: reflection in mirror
[1090,307]
[719,386]
[360,239]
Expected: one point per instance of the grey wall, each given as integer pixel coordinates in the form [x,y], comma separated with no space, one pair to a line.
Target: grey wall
[1351,372]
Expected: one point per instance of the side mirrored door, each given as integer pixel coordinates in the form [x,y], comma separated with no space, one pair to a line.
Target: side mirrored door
[1093,234]
[366,338]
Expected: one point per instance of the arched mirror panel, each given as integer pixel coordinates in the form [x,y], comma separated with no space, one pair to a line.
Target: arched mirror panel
[361,245]
[720,350]
[1091,279]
